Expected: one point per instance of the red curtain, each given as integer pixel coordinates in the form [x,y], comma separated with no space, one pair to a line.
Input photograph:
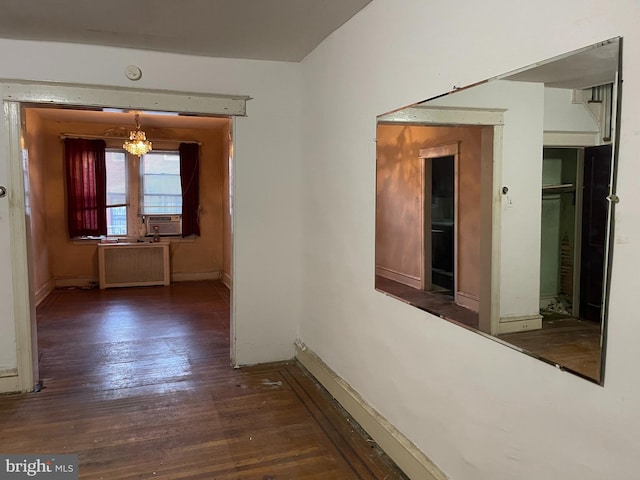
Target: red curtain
[190,183]
[86,177]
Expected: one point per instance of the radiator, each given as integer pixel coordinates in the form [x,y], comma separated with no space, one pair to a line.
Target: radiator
[133,264]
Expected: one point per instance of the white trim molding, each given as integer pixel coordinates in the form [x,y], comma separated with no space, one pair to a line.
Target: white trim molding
[520,323]
[404,453]
[570,139]
[445,115]
[121,97]
[10,384]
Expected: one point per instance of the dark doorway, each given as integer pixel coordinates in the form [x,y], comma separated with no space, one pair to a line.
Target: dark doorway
[443,223]
[597,174]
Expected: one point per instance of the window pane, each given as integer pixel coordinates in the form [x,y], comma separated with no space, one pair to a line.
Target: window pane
[161,190]
[162,184]
[116,220]
[116,192]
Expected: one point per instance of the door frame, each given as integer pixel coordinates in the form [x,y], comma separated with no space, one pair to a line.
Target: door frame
[491,192]
[15,93]
[427,155]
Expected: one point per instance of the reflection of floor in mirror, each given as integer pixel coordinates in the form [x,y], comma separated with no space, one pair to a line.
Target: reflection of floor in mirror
[433,302]
[568,341]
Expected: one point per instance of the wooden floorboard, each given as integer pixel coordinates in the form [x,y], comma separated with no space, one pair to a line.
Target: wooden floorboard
[434,302]
[137,382]
[570,342]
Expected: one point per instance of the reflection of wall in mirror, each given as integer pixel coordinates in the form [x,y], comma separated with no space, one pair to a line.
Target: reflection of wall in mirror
[531,111]
[521,172]
[398,202]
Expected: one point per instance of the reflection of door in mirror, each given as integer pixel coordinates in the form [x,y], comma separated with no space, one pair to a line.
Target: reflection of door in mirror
[575,185]
[597,172]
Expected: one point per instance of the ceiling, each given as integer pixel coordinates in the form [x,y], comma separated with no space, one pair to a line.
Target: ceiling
[586,68]
[277,30]
[280,30]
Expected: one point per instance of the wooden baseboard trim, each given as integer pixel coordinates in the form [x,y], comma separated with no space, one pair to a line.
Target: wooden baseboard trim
[188,277]
[404,453]
[399,277]
[468,300]
[519,324]
[44,291]
[226,279]
[84,282]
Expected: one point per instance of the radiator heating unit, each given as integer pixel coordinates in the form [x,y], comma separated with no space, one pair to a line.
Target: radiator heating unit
[133,264]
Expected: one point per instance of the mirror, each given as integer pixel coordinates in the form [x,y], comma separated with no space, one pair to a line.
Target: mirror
[494,205]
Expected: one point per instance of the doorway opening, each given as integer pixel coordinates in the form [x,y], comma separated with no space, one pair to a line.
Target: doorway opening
[59,261]
[435,219]
[443,227]
[575,185]
[25,146]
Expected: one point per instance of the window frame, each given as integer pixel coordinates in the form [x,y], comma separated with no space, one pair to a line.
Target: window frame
[141,184]
[134,186]
[126,204]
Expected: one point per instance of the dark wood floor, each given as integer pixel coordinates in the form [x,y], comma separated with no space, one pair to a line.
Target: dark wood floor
[435,303]
[137,382]
[570,342]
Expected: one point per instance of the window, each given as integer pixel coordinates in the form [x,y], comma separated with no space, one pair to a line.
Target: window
[116,192]
[159,187]
[109,191]
[161,190]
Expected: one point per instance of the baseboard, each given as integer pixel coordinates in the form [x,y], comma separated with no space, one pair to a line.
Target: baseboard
[468,301]
[44,291]
[10,384]
[226,279]
[82,282]
[399,277]
[519,323]
[189,277]
[404,453]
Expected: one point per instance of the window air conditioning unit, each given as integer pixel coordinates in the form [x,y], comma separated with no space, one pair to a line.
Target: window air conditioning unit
[167,224]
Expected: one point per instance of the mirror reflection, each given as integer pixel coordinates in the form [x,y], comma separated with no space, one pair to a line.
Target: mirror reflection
[494,206]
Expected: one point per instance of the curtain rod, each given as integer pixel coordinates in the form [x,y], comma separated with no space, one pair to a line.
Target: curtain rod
[104,137]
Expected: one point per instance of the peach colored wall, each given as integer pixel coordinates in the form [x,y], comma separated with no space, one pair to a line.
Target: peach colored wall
[37,201]
[78,259]
[399,197]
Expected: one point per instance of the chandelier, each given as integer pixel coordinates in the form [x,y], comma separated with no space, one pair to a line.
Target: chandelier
[137,143]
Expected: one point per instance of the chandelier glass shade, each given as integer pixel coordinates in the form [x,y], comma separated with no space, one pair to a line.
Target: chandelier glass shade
[137,143]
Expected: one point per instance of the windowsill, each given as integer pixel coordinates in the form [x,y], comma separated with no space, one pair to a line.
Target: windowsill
[148,239]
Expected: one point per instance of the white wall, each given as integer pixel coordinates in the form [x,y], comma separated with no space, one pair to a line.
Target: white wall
[561,115]
[478,409]
[267,213]
[521,173]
